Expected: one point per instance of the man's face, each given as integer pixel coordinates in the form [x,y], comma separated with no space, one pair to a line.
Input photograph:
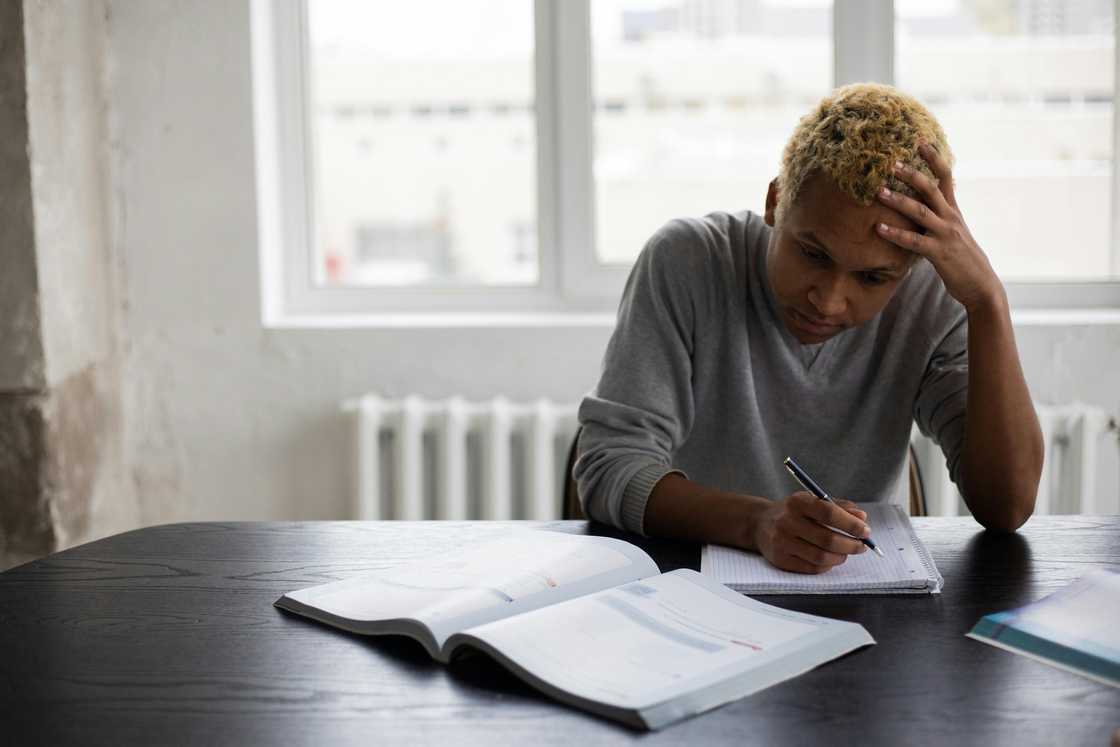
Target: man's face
[827,266]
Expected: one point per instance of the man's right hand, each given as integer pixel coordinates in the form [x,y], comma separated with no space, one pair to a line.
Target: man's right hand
[792,535]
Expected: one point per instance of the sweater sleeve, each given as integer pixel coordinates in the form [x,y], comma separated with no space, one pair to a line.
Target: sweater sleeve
[939,409]
[642,408]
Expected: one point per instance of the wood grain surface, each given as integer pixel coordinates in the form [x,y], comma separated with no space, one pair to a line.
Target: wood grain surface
[167,635]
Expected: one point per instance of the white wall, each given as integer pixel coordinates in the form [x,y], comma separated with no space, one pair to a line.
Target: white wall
[227,420]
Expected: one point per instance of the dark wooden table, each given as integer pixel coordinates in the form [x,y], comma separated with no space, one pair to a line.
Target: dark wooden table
[167,635]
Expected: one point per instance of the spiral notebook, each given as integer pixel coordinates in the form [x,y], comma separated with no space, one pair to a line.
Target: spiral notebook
[905,568]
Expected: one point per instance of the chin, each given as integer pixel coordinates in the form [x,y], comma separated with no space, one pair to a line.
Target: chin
[809,339]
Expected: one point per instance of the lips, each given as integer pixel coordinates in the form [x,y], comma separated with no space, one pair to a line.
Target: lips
[813,325]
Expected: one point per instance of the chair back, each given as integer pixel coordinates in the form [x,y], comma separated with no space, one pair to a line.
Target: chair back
[572,508]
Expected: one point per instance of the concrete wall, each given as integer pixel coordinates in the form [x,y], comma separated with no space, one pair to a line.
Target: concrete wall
[67,110]
[228,420]
[22,366]
[24,520]
[61,458]
[78,273]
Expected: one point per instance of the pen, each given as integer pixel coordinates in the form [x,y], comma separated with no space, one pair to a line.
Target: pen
[809,484]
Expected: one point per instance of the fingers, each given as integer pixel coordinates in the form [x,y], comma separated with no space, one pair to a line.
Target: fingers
[819,560]
[908,240]
[939,165]
[798,565]
[826,540]
[826,513]
[916,211]
[852,509]
[924,186]
[798,540]
[799,556]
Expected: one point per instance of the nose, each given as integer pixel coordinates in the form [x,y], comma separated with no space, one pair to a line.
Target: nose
[827,296]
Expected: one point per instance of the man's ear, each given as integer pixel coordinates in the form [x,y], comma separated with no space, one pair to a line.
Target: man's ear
[772,193]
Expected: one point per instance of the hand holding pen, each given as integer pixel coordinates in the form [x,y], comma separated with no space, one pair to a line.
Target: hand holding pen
[797,533]
[810,484]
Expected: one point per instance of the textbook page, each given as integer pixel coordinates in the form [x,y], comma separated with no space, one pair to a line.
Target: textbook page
[515,572]
[662,648]
[905,568]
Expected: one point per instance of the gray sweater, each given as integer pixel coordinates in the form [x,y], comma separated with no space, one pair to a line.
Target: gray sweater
[701,376]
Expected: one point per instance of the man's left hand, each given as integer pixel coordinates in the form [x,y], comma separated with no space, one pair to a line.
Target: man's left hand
[947,243]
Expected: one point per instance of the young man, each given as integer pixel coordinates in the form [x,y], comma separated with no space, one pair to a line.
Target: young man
[858,304]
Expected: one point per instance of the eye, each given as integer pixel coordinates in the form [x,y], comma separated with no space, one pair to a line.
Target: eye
[873,278]
[814,255]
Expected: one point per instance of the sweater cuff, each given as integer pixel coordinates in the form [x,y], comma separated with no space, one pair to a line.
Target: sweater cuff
[636,495]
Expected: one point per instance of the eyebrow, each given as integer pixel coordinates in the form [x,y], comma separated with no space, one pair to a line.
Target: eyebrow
[812,237]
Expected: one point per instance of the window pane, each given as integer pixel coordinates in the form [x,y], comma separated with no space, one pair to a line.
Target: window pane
[694,101]
[1025,92]
[423,143]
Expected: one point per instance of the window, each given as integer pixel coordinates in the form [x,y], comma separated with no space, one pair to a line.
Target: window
[1025,92]
[515,156]
[693,103]
[423,145]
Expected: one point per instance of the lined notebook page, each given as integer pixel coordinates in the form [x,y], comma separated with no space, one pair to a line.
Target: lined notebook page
[906,568]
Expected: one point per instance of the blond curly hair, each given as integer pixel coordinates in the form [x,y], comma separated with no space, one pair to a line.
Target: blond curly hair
[855,134]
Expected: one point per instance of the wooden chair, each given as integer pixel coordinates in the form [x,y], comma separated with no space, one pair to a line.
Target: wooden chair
[573,509]
[918,505]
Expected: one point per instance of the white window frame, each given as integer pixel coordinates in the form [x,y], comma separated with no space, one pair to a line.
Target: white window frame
[281,90]
[573,282]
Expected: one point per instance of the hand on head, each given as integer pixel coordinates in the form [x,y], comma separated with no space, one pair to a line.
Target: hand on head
[945,241]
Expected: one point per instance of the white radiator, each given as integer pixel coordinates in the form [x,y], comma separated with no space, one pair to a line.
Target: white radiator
[1080,474]
[516,465]
[415,460]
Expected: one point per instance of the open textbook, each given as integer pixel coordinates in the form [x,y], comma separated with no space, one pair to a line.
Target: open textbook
[1075,628]
[587,620]
[905,568]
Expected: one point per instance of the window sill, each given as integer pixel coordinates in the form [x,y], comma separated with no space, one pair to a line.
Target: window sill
[1064,317]
[583,319]
[442,320]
